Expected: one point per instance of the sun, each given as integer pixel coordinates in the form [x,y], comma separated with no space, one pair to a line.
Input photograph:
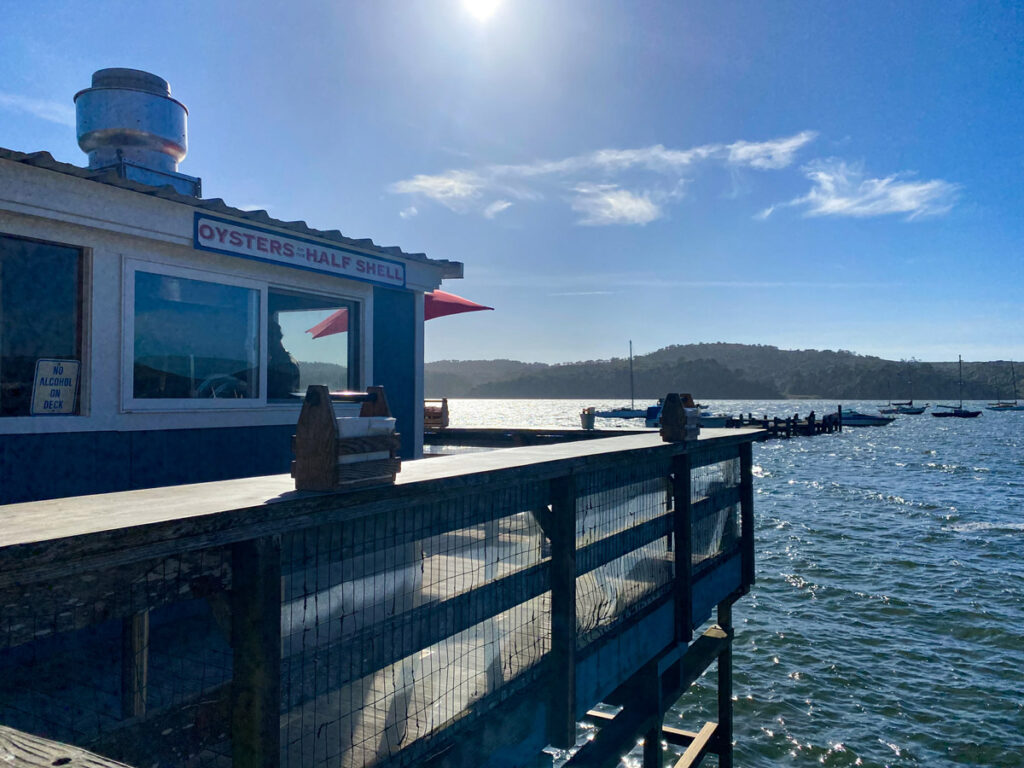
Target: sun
[482,10]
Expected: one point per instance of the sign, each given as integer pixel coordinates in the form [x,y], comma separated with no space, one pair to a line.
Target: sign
[55,387]
[233,239]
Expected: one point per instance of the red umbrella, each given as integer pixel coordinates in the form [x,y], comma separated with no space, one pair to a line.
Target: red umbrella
[441,303]
[435,304]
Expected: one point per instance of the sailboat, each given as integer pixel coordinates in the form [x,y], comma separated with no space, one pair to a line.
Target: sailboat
[957,411]
[1005,405]
[625,413]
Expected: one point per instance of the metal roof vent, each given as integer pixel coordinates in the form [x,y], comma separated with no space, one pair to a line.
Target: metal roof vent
[128,122]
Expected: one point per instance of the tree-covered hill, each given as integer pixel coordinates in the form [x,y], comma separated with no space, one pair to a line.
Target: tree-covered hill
[722,370]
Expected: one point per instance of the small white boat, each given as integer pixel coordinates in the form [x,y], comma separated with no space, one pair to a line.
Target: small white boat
[857,419]
[707,420]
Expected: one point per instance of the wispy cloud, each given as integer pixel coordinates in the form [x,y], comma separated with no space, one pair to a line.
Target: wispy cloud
[408,213]
[583,293]
[840,189]
[603,204]
[496,207]
[52,111]
[607,186]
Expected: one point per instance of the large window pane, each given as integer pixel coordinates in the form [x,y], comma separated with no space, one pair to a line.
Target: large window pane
[40,315]
[311,340]
[195,339]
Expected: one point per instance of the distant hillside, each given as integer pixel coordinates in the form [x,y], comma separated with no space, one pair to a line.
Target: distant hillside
[722,370]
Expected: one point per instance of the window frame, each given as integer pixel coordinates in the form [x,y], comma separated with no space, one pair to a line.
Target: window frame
[129,403]
[84,332]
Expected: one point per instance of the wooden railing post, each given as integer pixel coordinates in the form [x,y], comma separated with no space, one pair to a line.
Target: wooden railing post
[683,535]
[562,659]
[256,645]
[725,689]
[747,512]
[134,664]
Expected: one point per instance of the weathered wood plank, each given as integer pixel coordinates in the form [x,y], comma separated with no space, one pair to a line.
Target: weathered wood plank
[256,643]
[134,664]
[23,749]
[699,747]
[605,550]
[204,514]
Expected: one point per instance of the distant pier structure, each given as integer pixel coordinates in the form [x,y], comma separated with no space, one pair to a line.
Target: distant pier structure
[471,614]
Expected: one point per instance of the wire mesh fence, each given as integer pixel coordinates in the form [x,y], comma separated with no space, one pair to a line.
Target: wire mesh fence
[397,623]
[625,506]
[132,661]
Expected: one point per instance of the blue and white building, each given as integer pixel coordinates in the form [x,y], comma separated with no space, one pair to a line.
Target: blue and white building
[152,337]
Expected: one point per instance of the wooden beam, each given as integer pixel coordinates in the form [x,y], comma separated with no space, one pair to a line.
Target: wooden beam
[562,657]
[24,749]
[134,664]
[699,747]
[747,513]
[683,546]
[724,735]
[256,642]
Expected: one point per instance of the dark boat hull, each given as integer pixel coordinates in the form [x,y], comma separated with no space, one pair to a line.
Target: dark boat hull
[958,414]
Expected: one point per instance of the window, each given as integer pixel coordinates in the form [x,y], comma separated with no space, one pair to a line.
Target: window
[194,339]
[40,319]
[310,340]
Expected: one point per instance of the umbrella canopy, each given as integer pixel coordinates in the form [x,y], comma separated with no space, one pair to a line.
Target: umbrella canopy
[441,303]
[435,304]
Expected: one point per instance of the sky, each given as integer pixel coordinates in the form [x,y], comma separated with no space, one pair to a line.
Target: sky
[806,175]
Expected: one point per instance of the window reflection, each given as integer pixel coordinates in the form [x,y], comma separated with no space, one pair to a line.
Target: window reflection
[195,339]
[40,315]
[310,340]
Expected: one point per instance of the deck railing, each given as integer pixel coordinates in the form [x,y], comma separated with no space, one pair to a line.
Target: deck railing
[239,623]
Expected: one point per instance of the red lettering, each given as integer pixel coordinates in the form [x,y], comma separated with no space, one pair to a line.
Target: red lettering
[275,246]
[323,258]
[248,239]
[289,250]
[221,234]
[334,260]
[261,244]
[235,238]
[205,232]
[345,261]
[360,265]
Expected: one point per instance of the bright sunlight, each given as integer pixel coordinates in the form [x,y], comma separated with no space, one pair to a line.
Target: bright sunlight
[482,10]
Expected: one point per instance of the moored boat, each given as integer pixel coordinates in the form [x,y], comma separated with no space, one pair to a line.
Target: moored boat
[853,418]
[957,411]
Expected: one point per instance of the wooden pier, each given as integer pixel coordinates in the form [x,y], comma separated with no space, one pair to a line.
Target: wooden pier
[769,428]
[508,595]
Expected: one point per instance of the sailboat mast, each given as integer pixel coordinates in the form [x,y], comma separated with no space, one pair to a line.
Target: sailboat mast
[632,405]
[1013,377]
[960,358]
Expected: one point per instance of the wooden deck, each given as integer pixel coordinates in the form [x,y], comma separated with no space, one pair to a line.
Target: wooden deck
[249,624]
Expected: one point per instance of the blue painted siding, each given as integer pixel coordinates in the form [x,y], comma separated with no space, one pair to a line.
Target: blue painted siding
[34,467]
[394,357]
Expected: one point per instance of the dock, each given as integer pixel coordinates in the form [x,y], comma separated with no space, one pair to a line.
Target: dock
[769,428]
[470,614]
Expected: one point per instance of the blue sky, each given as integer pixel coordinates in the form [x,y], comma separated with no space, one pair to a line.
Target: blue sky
[808,175]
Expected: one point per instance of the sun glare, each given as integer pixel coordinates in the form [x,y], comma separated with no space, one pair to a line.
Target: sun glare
[482,10]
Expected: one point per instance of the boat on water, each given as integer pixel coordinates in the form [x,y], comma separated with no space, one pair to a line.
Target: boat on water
[957,411]
[652,418]
[1007,405]
[625,413]
[853,418]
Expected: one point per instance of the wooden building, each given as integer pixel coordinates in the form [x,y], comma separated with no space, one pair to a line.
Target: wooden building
[149,336]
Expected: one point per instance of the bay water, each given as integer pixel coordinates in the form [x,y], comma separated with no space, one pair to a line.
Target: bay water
[886,626]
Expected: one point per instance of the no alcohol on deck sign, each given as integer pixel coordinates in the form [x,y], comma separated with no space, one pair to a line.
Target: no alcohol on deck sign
[55,387]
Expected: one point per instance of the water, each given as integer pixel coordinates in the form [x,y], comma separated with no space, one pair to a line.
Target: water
[886,627]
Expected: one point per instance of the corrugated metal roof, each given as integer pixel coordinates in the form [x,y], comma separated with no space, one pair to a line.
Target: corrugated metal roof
[452,269]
